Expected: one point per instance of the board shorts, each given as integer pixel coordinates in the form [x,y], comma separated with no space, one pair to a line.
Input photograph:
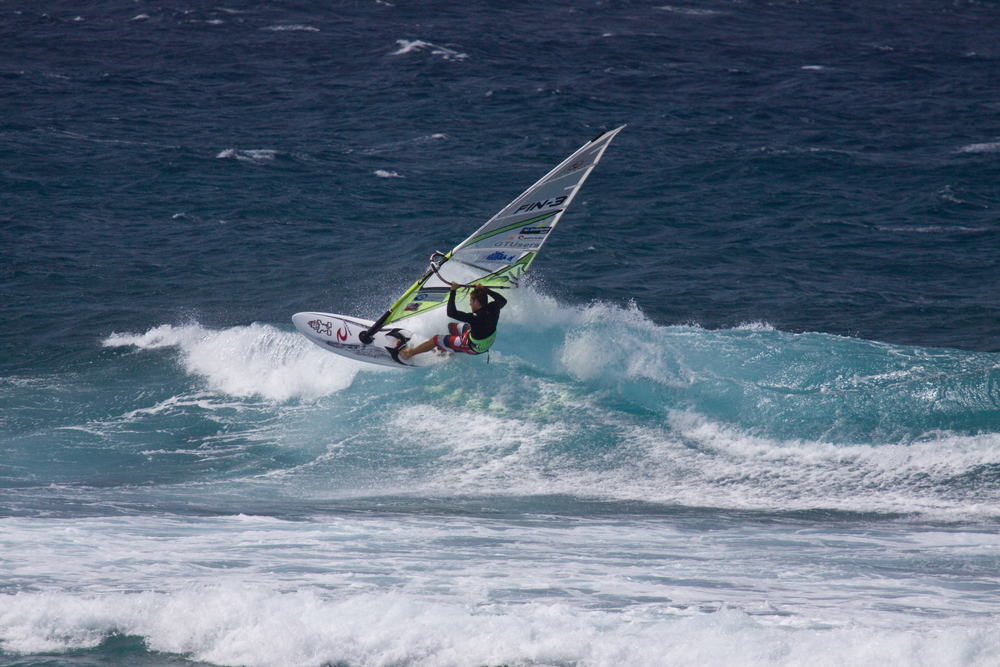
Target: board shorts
[456,340]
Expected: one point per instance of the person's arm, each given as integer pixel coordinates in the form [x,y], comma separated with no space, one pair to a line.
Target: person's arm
[497,299]
[452,311]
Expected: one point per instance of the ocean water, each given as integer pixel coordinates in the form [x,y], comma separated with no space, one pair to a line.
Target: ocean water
[745,411]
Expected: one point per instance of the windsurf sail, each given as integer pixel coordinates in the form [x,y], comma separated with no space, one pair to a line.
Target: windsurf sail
[500,251]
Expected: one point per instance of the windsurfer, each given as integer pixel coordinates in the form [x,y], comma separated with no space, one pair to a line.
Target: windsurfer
[477,330]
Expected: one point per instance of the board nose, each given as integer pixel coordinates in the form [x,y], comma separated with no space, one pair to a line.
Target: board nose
[301,320]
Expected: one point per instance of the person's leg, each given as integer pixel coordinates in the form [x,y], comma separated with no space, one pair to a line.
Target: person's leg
[426,346]
[458,341]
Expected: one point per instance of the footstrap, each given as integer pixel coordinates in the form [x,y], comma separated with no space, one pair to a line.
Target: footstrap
[398,336]
[394,351]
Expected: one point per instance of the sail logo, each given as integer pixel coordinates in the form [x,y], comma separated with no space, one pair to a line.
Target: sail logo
[518,241]
[548,203]
[542,231]
[499,256]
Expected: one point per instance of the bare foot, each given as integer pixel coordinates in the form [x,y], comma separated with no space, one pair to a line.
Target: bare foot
[405,353]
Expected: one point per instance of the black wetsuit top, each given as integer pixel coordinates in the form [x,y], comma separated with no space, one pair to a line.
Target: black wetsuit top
[482,323]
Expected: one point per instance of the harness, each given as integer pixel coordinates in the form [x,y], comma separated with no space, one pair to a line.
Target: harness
[481,346]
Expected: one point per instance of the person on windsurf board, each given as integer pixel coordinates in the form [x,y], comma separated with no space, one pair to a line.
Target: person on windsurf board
[475,334]
[497,254]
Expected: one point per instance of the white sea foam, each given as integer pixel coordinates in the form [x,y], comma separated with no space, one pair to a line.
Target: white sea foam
[292,28]
[734,469]
[261,592]
[936,229]
[229,626]
[989,147]
[603,338]
[382,173]
[256,360]
[257,155]
[408,46]
[489,448]
[688,11]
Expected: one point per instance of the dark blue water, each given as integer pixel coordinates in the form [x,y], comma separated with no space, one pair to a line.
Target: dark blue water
[746,410]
